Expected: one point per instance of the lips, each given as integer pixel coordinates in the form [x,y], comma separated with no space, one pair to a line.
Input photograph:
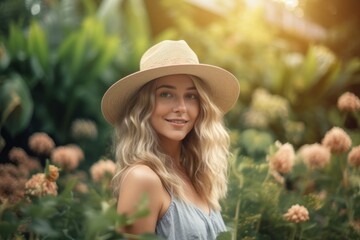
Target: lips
[177,121]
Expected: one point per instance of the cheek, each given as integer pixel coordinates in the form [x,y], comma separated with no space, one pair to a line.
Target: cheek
[153,118]
[194,111]
[161,107]
[156,116]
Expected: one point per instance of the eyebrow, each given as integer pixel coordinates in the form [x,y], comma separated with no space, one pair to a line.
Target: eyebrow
[173,87]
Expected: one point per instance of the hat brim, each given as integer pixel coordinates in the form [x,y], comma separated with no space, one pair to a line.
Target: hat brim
[223,86]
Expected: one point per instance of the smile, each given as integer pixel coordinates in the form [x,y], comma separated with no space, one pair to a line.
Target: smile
[177,121]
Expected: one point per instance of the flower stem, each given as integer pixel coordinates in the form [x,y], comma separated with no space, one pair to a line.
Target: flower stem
[293,233]
[236,219]
[300,232]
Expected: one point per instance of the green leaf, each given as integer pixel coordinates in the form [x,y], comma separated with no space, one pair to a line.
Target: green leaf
[67,192]
[137,27]
[95,32]
[42,207]
[148,236]
[38,47]
[66,47]
[78,52]
[309,68]
[7,229]
[224,236]
[16,104]
[90,7]
[43,228]
[16,43]
[108,52]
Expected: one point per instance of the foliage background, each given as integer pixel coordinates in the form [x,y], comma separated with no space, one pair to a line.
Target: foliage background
[58,57]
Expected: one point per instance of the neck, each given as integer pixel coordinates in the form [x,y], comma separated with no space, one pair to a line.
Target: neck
[173,149]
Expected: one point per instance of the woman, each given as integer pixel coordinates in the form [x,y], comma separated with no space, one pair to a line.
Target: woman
[171,144]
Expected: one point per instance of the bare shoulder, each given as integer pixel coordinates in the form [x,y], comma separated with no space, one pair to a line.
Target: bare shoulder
[142,178]
[138,181]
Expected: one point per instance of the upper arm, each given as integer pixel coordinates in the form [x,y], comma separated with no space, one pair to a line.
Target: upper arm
[138,181]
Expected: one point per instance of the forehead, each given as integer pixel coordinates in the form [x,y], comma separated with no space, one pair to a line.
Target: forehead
[180,80]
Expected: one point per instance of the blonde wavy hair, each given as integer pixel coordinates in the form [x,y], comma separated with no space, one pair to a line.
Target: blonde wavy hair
[205,150]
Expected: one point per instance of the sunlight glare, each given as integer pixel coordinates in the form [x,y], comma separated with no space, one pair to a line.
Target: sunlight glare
[292,4]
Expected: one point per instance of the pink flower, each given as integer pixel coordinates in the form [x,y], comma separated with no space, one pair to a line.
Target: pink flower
[18,155]
[315,155]
[337,140]
[12,183]
[31,164]
[354,157]
[283,159]
[81,188]
[11,189]
[38,186]
[297,214]
[41,143]
[348,102]
[68,157]
[84,128]
[101,169]
[78,151]
[11,170]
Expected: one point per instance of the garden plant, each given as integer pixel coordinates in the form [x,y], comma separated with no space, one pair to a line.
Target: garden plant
[294,172]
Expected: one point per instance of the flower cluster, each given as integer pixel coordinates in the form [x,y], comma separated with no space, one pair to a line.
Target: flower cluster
[12,183]
[41,143]
[101,169]
[14,176]
[23,160]
[297,214]
[84,128]
[337,140]
[266,108]
[315,155]
[354,157]
[40,185]
[348,102]
[282,160]
[67,157]
[15,182]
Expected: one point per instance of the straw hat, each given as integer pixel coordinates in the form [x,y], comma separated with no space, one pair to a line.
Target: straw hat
[167,58]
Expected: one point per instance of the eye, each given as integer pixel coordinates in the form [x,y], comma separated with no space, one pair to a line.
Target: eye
[165,95]
[192,96]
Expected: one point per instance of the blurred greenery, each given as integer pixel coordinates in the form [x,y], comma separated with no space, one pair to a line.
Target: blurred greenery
[57,58]
[66,63]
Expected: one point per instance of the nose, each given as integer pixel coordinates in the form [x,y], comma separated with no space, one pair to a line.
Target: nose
[180,105]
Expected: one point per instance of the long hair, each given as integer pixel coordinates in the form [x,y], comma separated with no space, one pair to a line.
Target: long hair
[205,150]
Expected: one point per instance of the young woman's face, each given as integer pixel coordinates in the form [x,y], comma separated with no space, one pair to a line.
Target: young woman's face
[176,107]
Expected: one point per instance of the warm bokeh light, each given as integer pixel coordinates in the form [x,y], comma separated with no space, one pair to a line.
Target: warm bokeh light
[292,4]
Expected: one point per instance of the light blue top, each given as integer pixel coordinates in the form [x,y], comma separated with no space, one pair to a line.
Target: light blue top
[184,221]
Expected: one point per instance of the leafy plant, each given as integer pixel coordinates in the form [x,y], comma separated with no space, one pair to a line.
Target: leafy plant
[55,72]
[322,177]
